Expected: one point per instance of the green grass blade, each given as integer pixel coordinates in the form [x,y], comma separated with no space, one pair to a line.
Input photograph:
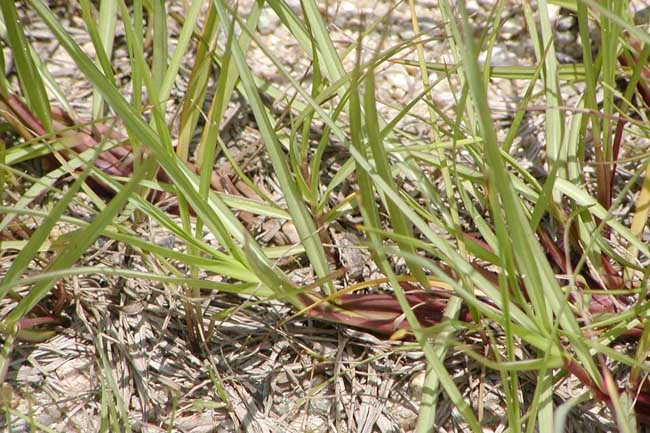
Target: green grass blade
[542,287]
[31,82]
[224,224]
[27,254]
[300,216]
[381,162]
[79,244]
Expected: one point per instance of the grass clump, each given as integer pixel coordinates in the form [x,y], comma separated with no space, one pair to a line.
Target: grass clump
[459,238]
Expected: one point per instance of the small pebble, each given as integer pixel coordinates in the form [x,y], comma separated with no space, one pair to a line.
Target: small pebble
[416,383]
[269,22]
[566,23]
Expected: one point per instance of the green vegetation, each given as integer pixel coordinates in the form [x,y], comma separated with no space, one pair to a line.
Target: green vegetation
[550,272]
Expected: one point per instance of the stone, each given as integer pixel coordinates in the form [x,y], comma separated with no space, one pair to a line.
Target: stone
[416,384]
[268,22]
